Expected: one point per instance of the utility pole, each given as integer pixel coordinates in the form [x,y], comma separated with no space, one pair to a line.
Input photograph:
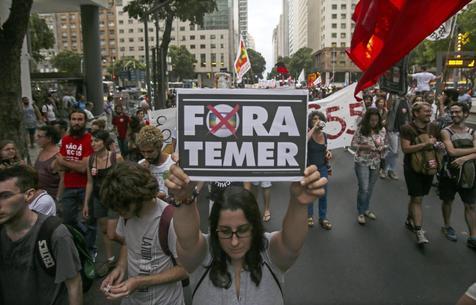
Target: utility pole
[147,58]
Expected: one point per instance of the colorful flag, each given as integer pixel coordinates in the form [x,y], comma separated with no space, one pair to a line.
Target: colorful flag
[242,62]
[387,30]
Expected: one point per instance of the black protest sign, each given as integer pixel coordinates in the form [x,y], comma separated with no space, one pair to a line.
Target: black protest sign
[242,134]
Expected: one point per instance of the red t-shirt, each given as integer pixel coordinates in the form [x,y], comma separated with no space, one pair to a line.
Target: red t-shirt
[121,122]
[75,149]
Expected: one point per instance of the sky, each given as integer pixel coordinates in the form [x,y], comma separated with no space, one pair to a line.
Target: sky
[263,17]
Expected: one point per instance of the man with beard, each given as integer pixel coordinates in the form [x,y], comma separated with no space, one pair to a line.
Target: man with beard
[418,184]
[448,187]
[150,141]
[75,147]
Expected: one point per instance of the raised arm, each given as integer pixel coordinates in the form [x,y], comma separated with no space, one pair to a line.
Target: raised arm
[191,245]
[286,244]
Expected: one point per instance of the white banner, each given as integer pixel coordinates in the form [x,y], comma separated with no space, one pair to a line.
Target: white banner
[166,120]
[442,32]
[342,111]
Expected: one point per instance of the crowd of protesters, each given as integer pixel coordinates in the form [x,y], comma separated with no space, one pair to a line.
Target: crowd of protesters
[114,173]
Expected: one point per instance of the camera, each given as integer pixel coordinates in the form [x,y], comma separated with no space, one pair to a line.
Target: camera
[321,125]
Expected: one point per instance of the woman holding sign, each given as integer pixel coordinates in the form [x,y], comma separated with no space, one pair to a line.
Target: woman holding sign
[318,155]
[370,143]
[237,263]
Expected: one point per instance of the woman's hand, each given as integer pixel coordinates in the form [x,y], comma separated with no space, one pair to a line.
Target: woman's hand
[178,183]
[328,155]
[85,211]
[310,187]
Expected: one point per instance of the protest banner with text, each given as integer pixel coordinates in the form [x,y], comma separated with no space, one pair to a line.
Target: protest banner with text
[242,135]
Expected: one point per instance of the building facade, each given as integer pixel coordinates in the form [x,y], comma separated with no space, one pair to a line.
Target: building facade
[243,19]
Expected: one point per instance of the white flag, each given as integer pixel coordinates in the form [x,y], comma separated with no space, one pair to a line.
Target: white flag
[443,31]
[301,77]
[317,81]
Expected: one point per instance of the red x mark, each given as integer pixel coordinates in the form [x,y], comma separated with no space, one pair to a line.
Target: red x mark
[224,120]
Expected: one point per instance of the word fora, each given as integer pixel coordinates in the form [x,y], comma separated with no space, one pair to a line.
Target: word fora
[251,154]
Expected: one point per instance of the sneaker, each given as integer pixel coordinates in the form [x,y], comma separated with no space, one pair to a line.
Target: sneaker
[310,222]
[392,175]
[471,242]
[370,215]
[361,219]
[382,174]
[449,233]
[421,238]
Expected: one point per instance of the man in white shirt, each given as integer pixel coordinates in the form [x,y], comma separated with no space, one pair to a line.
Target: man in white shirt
[423,79]
[48,110]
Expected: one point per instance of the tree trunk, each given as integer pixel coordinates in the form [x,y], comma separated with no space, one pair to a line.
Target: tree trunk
[162,63]
[11,40]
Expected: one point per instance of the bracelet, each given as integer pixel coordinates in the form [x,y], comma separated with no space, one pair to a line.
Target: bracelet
[177,203]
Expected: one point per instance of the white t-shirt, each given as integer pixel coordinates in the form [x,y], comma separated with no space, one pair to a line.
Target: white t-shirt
[49,110]
[472,292]
[44,204]
[159,171]
[145,257]
[423,80]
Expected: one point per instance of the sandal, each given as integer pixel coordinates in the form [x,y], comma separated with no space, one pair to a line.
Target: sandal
[325,224]
[267,216]
[310,222]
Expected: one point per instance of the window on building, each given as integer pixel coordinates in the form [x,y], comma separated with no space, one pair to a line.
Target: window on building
[334,6]
[111,32]
[121,13]
[334,35]
[222,46]
[121,39]
[121,21]
[343,25]
[141,39]
[172,38]
[182,29]
[334,16]
[343,16]
[192,37]
[130,21]
[342,35]
[334,44]
[131,39]
[121,31]
[132,49]
[202,37]
[342,44]
[122,49]
[203,60]
[221,36]
[213,46]
[343,6]
[213,36]
[151,29]
[141,30]
[213,59]
[131,31]
[151,38]
[222,59]
[141,48]
[192,46]
[334,25]
[202,46]
[192,27]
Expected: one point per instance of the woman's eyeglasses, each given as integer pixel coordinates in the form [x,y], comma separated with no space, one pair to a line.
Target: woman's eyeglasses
[242,231]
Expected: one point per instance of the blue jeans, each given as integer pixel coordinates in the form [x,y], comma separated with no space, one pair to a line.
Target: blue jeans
[72,200]
[366,178]
[393,148]
[323,170]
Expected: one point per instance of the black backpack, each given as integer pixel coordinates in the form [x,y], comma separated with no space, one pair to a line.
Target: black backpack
[43,250]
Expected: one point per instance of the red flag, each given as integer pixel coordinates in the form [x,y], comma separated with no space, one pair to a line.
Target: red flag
[387,30]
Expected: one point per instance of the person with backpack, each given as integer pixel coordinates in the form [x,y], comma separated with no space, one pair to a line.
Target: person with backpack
[238,263]
[23,278]
[458,174]
[148,254]
[420,163]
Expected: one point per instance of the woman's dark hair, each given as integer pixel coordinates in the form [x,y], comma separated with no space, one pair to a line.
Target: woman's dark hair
[104,136]
[365,128]
[27,177]
[4,143]
[135,124]
[51,133]
[236,198]
[128,183]
[321,116]
[464,107]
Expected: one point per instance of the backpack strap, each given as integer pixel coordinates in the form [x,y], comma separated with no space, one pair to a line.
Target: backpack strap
[43,247]
[201,280]
[275,278]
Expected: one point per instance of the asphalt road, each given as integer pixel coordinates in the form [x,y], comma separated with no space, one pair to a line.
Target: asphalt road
[379,263]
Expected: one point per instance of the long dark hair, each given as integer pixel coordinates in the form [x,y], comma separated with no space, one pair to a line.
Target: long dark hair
[365,128]
[236,198]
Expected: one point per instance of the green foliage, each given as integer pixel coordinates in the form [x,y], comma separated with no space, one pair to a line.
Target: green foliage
[67,61]
[41,37]
[125,64]
[302,59]
[258,63]
[182,62]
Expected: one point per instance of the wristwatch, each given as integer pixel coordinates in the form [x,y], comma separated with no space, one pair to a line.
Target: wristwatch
[177,203]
